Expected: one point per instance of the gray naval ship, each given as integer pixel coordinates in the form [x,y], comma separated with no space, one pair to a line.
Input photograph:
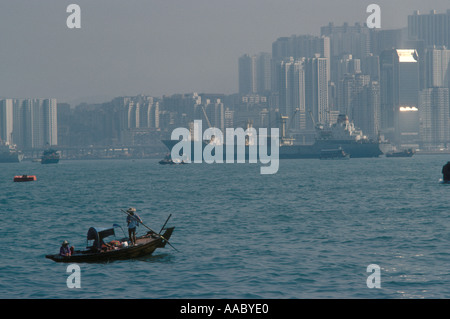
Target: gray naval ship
[9,153]
[341,135]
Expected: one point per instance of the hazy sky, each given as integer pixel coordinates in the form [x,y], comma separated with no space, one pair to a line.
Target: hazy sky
[158,47]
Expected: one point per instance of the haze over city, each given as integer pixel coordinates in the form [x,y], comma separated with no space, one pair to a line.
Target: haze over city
[158,47]
[288,149]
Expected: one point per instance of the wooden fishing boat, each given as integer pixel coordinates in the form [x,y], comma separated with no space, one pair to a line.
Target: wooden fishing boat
[100,251]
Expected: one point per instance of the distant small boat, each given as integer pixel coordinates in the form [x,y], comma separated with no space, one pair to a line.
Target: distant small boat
[166,162]
[50,156]
[169,161]
[24,178]
[404,153]
[334,154]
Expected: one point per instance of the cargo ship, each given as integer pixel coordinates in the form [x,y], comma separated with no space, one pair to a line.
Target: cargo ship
[9,153]
[341,135]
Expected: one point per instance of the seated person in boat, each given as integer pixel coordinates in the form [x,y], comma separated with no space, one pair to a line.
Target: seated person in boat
[65,250]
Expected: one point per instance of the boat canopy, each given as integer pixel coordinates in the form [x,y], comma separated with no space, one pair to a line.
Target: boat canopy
[97,234]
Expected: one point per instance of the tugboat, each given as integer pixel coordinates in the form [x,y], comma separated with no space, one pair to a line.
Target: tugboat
[167,160]
[50,156]
[405,153]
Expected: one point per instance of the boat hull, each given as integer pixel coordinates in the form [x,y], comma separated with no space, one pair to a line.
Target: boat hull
[146,245]
[13,157]
[50,161]
[50,156]
[353,148]
[25,178]
[400,154]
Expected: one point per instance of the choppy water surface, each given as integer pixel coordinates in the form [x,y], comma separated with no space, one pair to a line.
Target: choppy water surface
[309,231]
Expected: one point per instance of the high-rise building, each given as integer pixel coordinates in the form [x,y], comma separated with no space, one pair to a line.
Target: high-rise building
[263,73]
[247,74]
[50,121]
[369,115]
[34,123]
[433,28]
[345,65]
[316,90]
[408,78]
[434,116]
[300,46]
[297,47]
[343,71]
[214,111]
[64,121]
[292,93]
[385,40]
[359,98]
[6,121]
[347,39]
[136,112]
[255,73]
[399,81]
[371,66]
[351,87]
[437,67]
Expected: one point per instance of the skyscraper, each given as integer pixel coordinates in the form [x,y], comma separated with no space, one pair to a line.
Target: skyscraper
[347,39]
[247,74]
[385,40]
[254,73]
[300,46]
[369,120]
[34,123]
[297,47]
[316,90]
[263,72]
[433,28]
[399,81]
[437,67]
[6,121]
[434,117]
[215,113]
[292,92]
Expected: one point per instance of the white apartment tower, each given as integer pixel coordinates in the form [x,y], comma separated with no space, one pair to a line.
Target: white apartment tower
[29,123]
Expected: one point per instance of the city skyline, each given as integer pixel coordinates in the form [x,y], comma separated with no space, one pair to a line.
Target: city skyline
[140,49]
[379,79]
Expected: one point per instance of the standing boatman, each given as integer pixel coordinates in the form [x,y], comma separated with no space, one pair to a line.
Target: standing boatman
[133,221]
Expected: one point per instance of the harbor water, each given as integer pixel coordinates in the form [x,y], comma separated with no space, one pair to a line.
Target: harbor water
[308,231]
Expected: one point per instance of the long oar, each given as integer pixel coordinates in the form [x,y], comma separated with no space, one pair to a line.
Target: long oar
[165,224]
[151,230]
